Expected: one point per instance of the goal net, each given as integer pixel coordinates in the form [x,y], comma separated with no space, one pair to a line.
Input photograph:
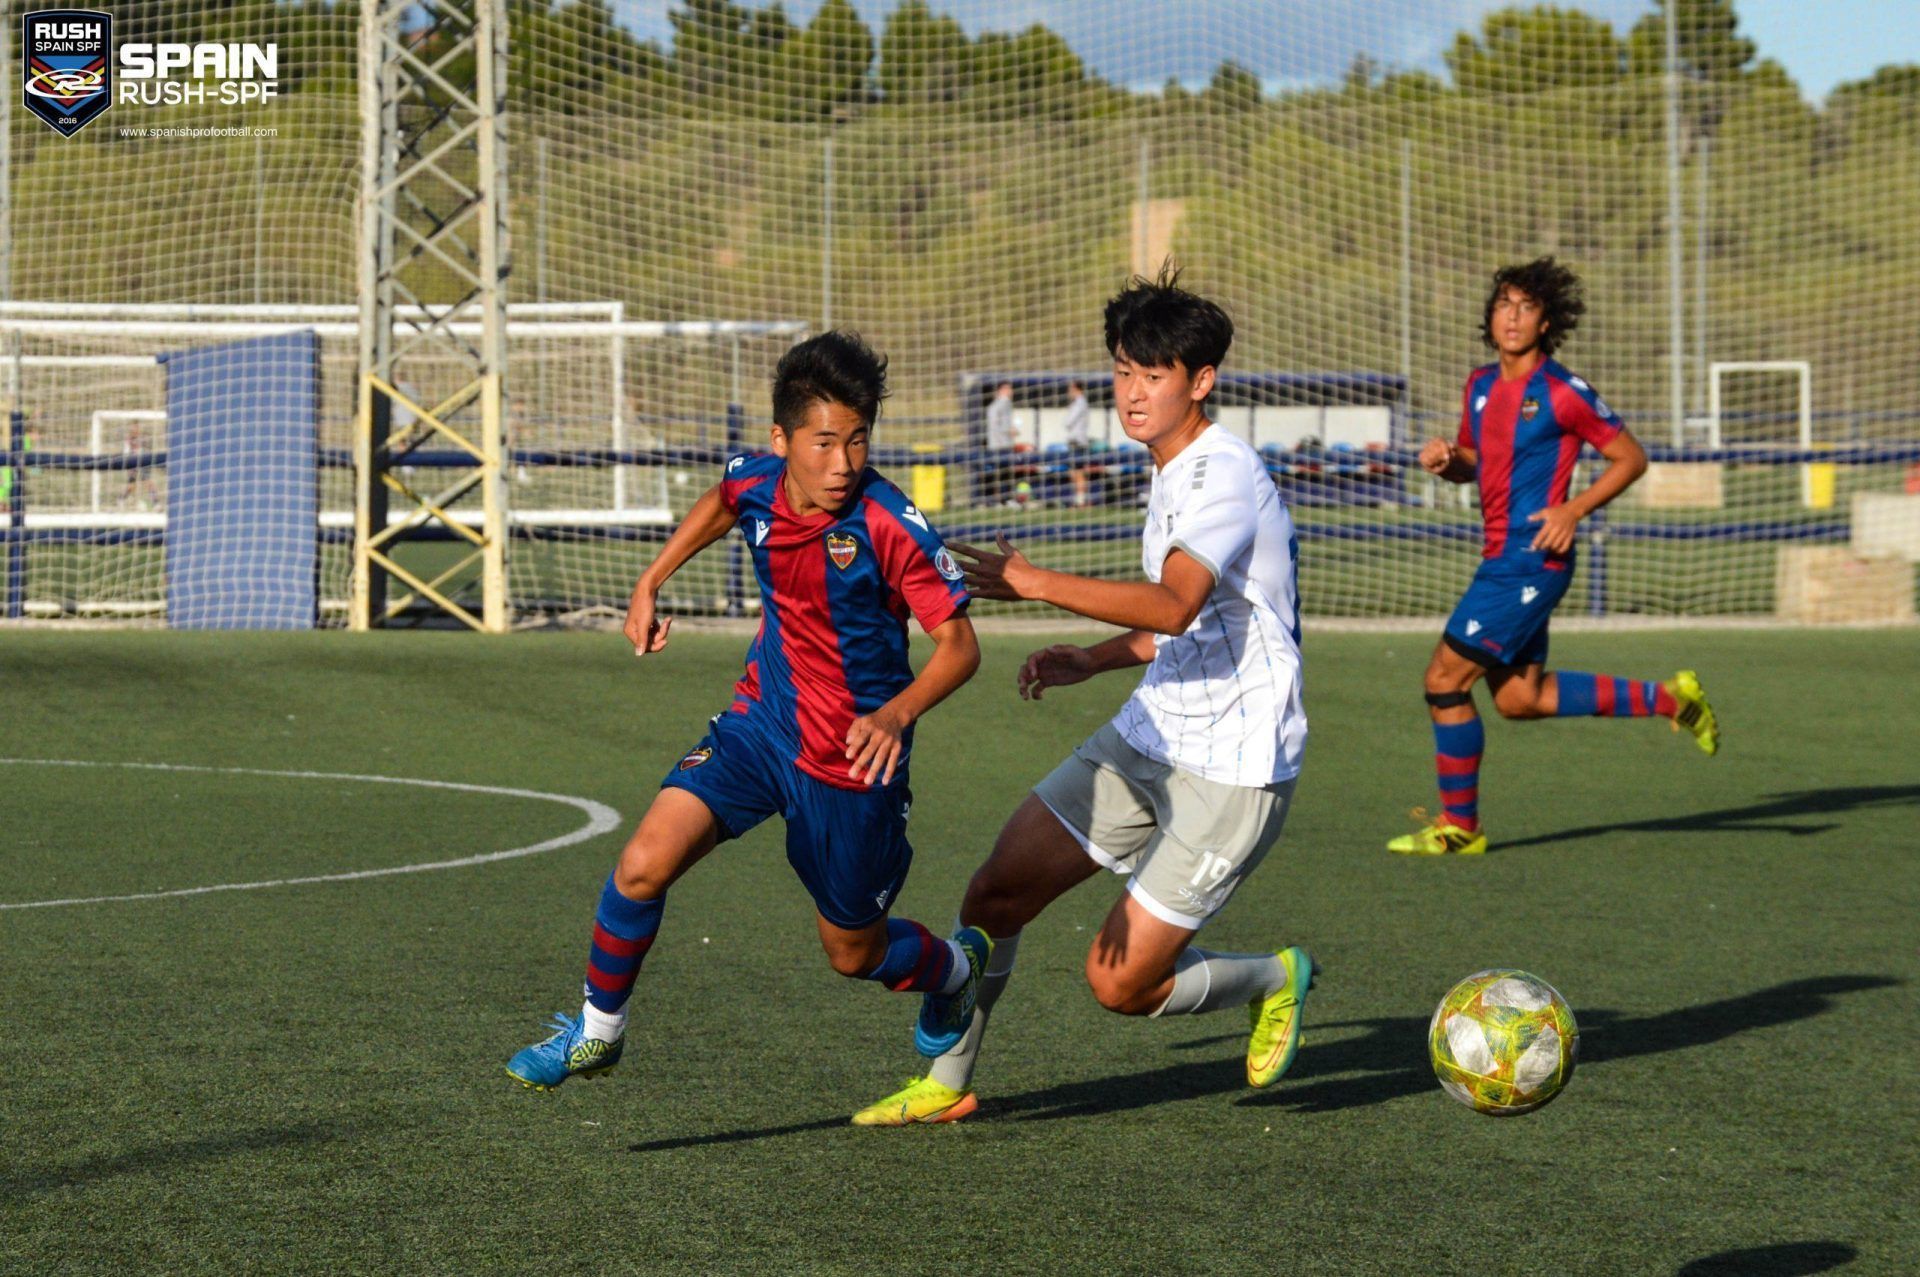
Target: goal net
[967,182]
[611,426]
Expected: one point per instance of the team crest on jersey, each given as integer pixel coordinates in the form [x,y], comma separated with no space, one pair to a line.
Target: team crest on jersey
[944,564]
[695,757]
[841,548]
[1528,407]
[67,76]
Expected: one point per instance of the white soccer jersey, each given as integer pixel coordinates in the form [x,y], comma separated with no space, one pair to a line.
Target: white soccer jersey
[1223,699]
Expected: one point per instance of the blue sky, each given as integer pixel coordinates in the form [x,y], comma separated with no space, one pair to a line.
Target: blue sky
[1290,42]
[1827,42]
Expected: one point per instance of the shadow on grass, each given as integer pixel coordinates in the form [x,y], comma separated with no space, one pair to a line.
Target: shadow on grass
[1390,1058]
[165,1157]
[736,1137]
[1069,1099]
[1779,814]
[1791,1259]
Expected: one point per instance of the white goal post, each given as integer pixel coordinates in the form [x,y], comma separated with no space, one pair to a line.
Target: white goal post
[1800,368]
[1802,371]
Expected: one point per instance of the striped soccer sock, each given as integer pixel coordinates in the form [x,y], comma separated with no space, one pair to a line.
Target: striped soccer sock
[917,961]
[1603,696]
[623,931]
[1457,750]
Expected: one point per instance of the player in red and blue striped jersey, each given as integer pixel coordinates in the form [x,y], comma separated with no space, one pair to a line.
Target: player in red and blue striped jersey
[1523,420]
[820,728]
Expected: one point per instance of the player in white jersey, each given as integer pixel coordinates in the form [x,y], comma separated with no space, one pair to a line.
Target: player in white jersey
[1188,787]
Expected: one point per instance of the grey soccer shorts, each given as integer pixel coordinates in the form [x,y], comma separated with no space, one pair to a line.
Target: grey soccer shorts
[1184,841]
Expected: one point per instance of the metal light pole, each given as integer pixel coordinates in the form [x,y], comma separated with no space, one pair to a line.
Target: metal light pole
[826,235]
[1406,262]
[1676,317]
[1701,191]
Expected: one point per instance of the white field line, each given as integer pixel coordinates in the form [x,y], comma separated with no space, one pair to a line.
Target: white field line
[600,819]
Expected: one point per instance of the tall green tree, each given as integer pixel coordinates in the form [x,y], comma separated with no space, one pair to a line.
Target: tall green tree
[1710,46]
[924,57]
[1711,55]
[824,70]
[1233,88]
[1034,76]
[1536,50]
[711,49]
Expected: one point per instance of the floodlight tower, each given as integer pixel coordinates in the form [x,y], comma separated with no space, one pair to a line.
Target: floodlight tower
[432,249]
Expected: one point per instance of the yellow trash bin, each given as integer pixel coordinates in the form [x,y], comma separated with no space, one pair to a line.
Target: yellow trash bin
[1817,482]
[929,482]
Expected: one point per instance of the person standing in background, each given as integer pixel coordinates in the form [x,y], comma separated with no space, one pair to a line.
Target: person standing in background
[1076,429]
[1001,438]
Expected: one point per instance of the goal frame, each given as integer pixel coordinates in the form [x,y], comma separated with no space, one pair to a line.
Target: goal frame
[1802,368]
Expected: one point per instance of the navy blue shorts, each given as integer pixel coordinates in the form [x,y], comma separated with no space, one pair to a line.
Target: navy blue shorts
[848,846]
[1502,618]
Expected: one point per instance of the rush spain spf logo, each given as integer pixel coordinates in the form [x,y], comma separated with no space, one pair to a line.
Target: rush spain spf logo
[67,66]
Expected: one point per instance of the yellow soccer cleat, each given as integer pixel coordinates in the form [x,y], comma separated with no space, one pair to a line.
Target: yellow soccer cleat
[1692,712]
[1440,839]
[921,1100]
[1276,1020]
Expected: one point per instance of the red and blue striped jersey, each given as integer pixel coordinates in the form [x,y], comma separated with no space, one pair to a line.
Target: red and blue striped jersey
[835,595]
[1528,432]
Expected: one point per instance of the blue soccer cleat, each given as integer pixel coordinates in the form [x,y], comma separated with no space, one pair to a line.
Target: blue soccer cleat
[568,1053]
[944,1017]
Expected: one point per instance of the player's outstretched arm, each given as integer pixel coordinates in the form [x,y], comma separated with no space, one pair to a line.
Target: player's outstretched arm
[1167,606]
[1626,461]
[874,741]
[707,522]
[1064,664]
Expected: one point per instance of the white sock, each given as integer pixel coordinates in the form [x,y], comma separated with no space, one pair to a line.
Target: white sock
[957,976]
[1204,982]
[605,1025]
[955,1068]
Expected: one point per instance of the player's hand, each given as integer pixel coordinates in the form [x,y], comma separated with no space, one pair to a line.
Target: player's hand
[1061,665]
[874,744]
[1008,575]
[1558,524]
[1437,456]
[647,632]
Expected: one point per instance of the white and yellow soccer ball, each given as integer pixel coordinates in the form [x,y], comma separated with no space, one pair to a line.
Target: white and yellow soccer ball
[1503,1042]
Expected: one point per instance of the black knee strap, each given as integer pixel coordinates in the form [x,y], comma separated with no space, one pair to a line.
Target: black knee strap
[1448,700]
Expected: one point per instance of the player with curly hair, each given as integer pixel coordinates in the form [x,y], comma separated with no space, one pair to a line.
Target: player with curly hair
[1523,420]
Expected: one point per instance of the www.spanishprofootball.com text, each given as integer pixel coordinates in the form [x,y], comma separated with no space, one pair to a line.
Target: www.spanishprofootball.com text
[181,132]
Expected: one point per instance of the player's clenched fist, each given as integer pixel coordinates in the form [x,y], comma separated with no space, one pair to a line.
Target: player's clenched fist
[645,631]
[1436,457]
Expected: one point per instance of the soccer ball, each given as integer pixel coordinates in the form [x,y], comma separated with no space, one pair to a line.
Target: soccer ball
[1503,1042]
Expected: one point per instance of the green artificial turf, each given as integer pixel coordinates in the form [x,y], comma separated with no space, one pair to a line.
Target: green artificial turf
[310,1078]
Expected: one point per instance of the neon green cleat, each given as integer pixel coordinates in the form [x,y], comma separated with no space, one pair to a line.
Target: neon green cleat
[921,1100]
[1276,1020]
[1440,839]
[1692,711]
